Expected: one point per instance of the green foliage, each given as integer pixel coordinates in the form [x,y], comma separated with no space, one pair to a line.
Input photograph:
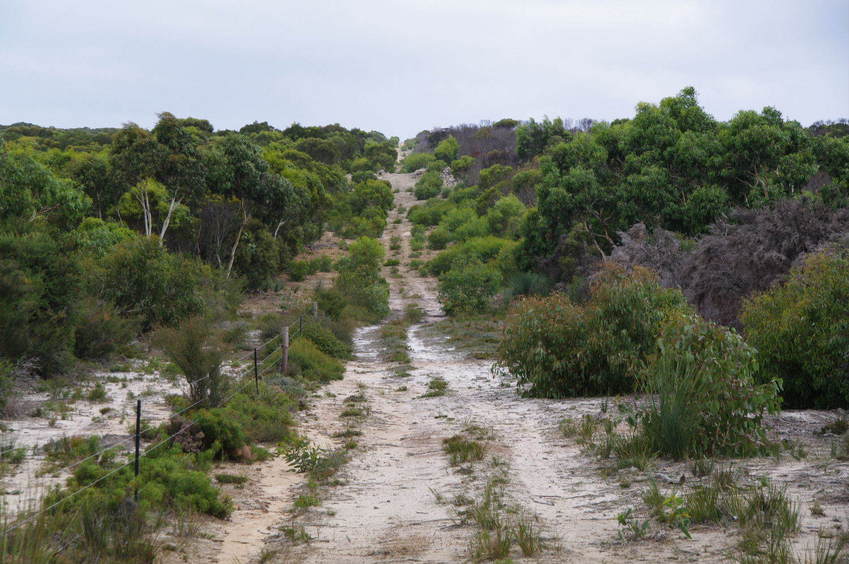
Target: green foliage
[491,176]
[671,166]
[30,192]
[363,210]
[468,287]
[429,213]
[257,256]
[505,217]
[169,480]
[429,185]
[359,278]
[266,417]
[447,150]
[6,373]
[326,341]
[702,395]
[311,363]
[415,161]
[533,137]
[196,348]
[556,348]
[141,278]
[459,167]
[801,331]
[221,433]
[39,288]
[100,329]
[95,236]
[482,249]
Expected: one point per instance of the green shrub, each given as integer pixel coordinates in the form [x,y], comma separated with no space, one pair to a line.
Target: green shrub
[429,213]
[361,164]
[505,217]
[265,417]
[300,269]
[362,176]
[460,166]
[468,287]
[556,348]
[415,161]
[447,149]
[39,287]
[428,186]
[195,347]
[326,341]
[801,331]
[167,481]
[6,374]
[330,301]
[307,360]
[100,330]
[221,433]
[702,395]
[439,238]
[142,278]
[437,166]
[528,284]
[483,249]
[359,279]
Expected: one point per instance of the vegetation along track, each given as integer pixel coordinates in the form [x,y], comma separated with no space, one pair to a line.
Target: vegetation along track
[399,498]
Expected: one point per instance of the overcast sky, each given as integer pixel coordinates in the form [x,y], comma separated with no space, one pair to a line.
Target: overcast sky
[403,66]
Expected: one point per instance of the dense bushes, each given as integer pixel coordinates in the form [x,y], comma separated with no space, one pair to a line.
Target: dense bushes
[39,288]
[801,330]
[415,161]
[300,269]
[468,287]
[309,362]
[362,210]
[671,166]
[702,395]
[359,280]
[556,348]
[142,278]
[100,329]
[429,185]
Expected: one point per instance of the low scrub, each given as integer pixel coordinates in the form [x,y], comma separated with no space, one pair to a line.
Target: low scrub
[801,331]
[429,185]
[702,395]
[307,360]
[416,161]
[556,348]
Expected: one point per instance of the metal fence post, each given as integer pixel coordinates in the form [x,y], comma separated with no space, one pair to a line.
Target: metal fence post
[138,447]
[256,370]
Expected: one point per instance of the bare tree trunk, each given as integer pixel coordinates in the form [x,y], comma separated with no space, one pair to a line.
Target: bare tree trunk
[171,206]
[279,225]
[236,242]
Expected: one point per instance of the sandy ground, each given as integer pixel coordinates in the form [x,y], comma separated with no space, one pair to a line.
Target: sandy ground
[24,484]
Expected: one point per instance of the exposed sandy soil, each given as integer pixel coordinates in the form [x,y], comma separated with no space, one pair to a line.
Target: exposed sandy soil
[25,484]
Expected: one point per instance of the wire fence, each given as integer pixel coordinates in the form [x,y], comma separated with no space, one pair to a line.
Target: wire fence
[258,368]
